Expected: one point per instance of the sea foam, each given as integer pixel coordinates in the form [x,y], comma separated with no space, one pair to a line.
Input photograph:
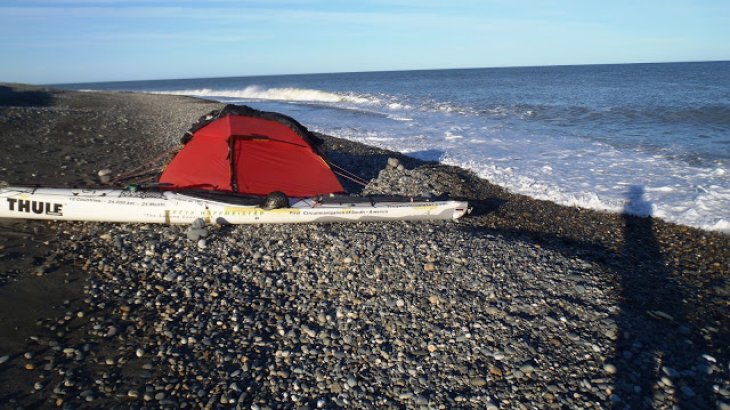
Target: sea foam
[593,137]
[571,171]
[274,94]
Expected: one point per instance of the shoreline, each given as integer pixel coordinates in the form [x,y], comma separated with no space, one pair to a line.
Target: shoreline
[647,276]
[416,161]
[585,157]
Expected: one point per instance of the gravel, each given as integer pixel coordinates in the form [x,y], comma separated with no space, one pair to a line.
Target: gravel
[313,314]
[524,304]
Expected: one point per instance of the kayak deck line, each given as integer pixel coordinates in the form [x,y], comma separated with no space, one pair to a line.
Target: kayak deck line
[170,207]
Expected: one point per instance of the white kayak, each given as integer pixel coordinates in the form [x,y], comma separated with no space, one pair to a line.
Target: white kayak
[167,207]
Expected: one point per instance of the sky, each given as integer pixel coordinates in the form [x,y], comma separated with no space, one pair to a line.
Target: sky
[64,41]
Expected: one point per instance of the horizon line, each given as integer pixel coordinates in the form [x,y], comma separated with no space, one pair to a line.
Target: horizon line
[379,71]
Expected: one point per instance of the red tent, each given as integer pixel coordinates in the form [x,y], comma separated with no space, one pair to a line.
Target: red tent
[247,151]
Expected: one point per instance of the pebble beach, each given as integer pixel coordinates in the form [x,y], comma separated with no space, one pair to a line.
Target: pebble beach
[523,304]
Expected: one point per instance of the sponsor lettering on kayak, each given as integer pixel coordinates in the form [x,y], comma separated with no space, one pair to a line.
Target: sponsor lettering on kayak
[36,207]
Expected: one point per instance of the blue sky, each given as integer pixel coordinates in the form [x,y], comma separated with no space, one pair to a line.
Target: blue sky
[46,41]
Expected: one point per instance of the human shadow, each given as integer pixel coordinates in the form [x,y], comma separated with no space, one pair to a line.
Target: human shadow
[13,96]
[661,346]
[656,348]
[663,353]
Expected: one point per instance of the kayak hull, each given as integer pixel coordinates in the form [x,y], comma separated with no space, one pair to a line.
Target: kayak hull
[166,207]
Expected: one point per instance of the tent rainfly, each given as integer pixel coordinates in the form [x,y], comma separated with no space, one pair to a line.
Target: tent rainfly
[242,150]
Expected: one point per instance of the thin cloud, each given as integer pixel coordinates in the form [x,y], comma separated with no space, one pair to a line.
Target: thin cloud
[107,39]
[267,14]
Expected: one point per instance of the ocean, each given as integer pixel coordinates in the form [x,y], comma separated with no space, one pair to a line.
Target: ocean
[590,136]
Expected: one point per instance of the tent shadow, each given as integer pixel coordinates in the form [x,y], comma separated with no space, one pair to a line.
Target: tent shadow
[366,162]
[367,165]
[11,96]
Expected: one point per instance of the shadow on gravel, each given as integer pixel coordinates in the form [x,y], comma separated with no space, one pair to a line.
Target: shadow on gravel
[368,165]
[656,344]
[10,96]
[659,354]
[481,207]
[663,341]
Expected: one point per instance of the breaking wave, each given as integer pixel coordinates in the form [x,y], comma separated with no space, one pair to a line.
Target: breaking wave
[577,139]
[275,94]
